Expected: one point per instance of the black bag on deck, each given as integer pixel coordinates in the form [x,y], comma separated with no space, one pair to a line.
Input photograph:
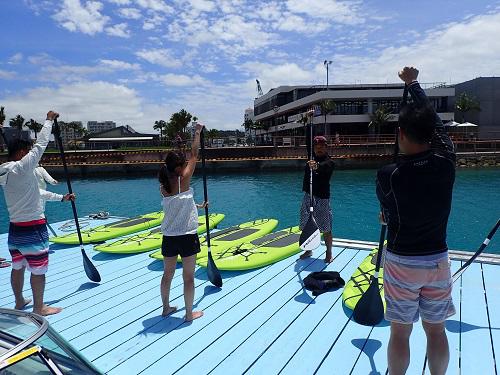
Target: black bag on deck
[321,282]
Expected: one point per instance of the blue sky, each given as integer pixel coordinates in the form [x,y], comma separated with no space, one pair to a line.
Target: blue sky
[137,61]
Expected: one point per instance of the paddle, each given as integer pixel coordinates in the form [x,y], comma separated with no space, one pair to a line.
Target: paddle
[369,310]
[212,271]
[90,269]
[485,243]
[310,238]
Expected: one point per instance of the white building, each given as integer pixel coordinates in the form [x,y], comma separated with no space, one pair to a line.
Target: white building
[97,127]
[280,110]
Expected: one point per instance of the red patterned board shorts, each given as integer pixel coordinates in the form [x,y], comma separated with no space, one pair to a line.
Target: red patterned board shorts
[29,246]
[418,286]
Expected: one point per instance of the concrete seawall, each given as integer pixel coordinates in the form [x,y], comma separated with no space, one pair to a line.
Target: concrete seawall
[227,160]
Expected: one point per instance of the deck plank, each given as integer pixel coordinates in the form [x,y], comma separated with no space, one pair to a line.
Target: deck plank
[271,283]
[475,358]
[273,330]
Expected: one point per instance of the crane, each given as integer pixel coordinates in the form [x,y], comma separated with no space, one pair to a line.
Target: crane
[259,89]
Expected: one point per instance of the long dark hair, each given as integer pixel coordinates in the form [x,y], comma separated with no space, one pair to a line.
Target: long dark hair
[173,160]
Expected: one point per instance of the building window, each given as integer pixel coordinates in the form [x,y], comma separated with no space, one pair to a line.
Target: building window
[351,107]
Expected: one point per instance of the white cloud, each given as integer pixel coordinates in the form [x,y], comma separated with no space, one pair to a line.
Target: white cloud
[119,65]
[42,59]
[86,18]
[5,74]
[344,12]
[120,2]
[182,80]
[162,57]
[119,30]
[130,13]
[155,5]
[458,51]
[16,58]
[79,102]
[153,22]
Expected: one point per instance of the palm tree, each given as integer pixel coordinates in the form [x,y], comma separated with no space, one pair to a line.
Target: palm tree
[379,118]
[178,123]
[34,126]
[161,126]
[326,106]
[17,122]
[466,103]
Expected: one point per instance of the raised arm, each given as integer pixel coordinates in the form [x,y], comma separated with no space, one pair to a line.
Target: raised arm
[191,164]
[31,159]
[440,141]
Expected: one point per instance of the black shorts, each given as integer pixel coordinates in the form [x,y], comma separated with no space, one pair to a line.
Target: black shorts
[185,246]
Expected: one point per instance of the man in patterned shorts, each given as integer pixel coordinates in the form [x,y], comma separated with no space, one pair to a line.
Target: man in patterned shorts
[28,238]
[415,194]
[322,167]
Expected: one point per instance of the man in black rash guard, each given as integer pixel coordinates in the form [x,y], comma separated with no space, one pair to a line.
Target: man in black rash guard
[322,167]
[415,193]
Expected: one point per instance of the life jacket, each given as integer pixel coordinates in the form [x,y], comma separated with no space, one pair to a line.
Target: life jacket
[321,282]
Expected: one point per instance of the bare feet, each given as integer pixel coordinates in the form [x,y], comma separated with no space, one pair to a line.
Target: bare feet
[25,302]
[168,310]
[48,310]
[328,257]
[194,315]
[306,254]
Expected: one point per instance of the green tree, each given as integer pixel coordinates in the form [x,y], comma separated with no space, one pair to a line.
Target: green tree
[160,126]
[466,103]
[75,129]
[326,107]
[178,123]
[17,122]
[34,126]
[379,118]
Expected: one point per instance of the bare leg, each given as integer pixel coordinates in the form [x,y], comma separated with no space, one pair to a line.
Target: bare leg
[438,351]
[17,283]
[306,254]
[188,264]
[169,264]
[328,242]
[398,350]
[38,287]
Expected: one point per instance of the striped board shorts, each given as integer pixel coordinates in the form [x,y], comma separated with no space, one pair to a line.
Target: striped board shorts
[322,213]
[29,246]
[418,285]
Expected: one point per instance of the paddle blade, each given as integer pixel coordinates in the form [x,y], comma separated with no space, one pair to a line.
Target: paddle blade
[370,309]
[213,272]
[90,269]
[310,238]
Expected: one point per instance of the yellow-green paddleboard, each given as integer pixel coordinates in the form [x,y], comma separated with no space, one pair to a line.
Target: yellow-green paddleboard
[260,252]
[360,280]
[151,240]
[108,231]
[232,236]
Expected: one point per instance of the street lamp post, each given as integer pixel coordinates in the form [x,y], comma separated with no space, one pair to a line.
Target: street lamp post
[326,63]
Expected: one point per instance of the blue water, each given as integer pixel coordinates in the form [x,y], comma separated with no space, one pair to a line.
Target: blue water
[242,197]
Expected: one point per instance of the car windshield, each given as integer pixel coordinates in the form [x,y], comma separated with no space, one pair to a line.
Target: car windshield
[20,332]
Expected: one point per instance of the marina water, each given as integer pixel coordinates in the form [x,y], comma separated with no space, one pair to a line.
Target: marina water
[243,197]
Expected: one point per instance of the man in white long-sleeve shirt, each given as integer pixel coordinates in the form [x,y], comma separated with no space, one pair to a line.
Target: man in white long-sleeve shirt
[28,237]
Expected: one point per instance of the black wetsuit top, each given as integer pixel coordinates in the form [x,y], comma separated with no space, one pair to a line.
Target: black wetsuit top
[416,192]
[321,176]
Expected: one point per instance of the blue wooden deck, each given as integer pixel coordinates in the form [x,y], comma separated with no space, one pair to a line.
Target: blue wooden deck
[261,321]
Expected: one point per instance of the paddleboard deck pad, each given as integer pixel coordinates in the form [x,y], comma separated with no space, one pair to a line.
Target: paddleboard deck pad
[232,236]
[108,231]
[360,280]
[151,240]
[260,252]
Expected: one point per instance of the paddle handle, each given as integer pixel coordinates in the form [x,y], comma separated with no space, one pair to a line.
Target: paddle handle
[205,190]
[311,204]
[57,133]
[380,249]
